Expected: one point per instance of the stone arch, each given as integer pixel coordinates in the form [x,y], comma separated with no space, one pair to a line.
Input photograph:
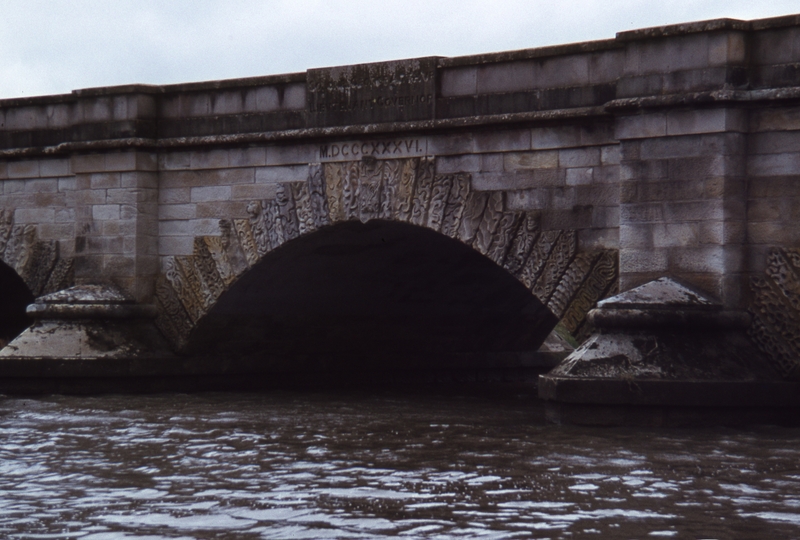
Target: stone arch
[548,262]
[36,262]
[29,268]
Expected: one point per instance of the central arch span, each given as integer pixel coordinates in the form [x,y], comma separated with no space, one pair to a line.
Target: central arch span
[402,198]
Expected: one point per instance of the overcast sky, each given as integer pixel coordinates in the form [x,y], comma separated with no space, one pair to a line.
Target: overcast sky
[55,46]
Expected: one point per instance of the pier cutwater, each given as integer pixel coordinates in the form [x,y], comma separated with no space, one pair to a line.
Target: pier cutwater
[623,212]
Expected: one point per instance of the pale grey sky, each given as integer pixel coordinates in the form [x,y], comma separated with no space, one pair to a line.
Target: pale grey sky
[55,46]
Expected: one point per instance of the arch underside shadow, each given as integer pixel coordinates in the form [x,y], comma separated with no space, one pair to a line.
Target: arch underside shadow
[407,191]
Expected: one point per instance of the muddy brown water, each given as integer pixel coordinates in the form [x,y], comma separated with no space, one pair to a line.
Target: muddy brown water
[291,465]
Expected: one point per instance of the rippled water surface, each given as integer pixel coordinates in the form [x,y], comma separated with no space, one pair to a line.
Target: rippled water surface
[332,466]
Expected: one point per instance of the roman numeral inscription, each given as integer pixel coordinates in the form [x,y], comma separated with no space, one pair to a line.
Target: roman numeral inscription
[355,150]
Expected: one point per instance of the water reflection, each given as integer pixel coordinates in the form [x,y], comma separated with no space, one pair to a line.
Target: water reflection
[323,466]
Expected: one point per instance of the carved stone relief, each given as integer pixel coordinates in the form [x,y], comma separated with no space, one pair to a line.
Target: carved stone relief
[775,311]
[37,262]
[406,190]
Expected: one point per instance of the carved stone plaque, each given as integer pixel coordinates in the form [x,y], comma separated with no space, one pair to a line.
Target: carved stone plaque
[396,91]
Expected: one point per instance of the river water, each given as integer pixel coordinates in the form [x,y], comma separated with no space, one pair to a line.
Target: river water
[369,466]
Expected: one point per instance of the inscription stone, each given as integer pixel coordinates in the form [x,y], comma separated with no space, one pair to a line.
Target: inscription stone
[379,149]
[396,91]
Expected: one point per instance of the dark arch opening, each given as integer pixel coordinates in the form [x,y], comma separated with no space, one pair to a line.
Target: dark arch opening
[14,298]
[373,297]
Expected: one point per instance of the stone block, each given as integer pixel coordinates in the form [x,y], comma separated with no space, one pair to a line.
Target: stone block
[208,178]
[211,193]
[727,48]
[544,138]
[459,81]
[641,213]
[279,174]
[775,119]
[88,163]
[104,180]
[503,141]
[692,146]
[605,217]
[773,46]
[610,155]
[64,215]
[119,108]
[773,142]
[247,157]
[125,196]
[34,215]
[778,186]
[23,169]
[706,121]
[543,159]
[593,239]
[675,211]
[641,126]
[579,176]
[667,235]
[560,71]
[175,161]
[456,164]
[637,236]
[56,231]
[25,118]
[293,154]
[294,97]
[705,259]
[597,195]
[605,66]
[445,145]
[579,157]
[567,219]
[98,109]
[119,266]
[675,53]
[176,211]
[121,161]
[222,210]
[139,180]
[262,99]
[227,103]
[3,170]
[773,164]
[209,159]
[120,227]
[492,162]
[505,77]
[775,233]
[57,115]
[499,181]
[181,227]
[609,174]
[527,199]
[105,211]
[632,261]
[253,192]
[174,195]
[43,185]
[54,167]
[195,104]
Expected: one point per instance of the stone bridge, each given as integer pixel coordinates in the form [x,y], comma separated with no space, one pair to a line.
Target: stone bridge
[399,199]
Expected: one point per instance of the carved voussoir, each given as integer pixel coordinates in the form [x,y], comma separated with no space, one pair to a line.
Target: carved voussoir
[247,242]
[598,283]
